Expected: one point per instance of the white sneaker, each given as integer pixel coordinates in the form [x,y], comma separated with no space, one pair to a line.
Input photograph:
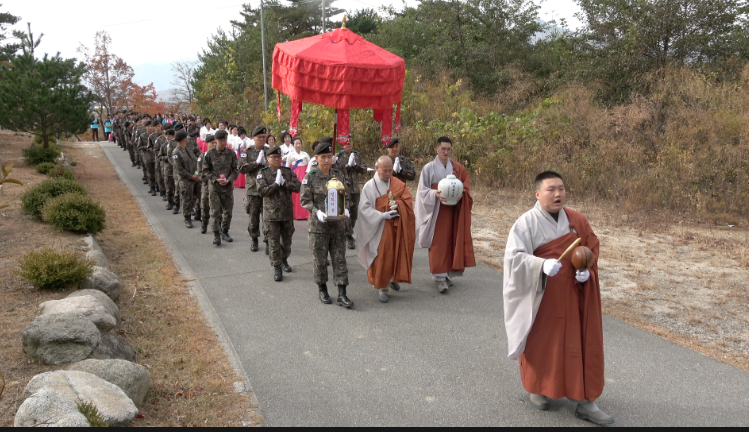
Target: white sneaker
[442,286]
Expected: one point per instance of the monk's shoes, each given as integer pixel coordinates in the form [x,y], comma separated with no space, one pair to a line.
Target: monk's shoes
[384,296]
[540,402]
[442,286]
[599,417]
[394,286]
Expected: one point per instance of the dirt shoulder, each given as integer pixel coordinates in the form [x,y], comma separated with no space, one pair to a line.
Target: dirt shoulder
[684,280]
[193,382]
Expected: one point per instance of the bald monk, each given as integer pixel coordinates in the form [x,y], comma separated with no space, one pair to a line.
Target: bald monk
[444,230]
[552,311]
[386,232]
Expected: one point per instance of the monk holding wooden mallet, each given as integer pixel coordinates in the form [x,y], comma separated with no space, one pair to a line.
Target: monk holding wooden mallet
[552,311]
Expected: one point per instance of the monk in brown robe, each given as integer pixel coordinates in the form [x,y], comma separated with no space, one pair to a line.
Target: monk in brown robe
[553,312]
[386,230]
[444,230]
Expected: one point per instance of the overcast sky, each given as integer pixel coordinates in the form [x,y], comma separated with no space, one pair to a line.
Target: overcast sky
[147,33]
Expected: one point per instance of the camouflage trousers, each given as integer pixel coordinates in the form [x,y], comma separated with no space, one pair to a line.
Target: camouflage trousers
[149,167]
[333,243]
[169,183]
[222,206]
[159,173]
[279,234]
[189,192]
[133,153]
[205,203]
[354,210]
[253,205]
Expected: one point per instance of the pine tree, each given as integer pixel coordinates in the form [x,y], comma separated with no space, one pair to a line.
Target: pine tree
[43,96]
[6,49]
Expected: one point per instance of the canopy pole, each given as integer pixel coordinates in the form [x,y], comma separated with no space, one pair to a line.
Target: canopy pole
[262,43]
[335,130]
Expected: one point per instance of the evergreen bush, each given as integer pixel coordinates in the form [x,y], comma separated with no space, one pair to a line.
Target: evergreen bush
[34,199]
[48,269]
[60,171]
[75,212]
[45,167]
[37,154]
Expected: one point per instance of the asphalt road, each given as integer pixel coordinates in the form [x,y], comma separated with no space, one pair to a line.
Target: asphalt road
[424,359]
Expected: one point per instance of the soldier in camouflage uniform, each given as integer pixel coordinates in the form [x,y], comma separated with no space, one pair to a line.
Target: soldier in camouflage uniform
[275,184]
[168,172]
[205,203]
[192,147]
[154,144]
[147,156]
[403,168]
[186,169]
[351,164]
[326,237]
[220,167]
[116,129]
[128,137]
[250,163]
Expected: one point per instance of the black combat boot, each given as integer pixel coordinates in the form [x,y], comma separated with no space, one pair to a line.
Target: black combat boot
[188,221]
[324,297]
[145,182]
[163,195]
[133,165]
[278,274]
[137,165]
[286,266]
[342,299]
[254,247]
[176,209]
[153,191]
[204,226]
[170,204]
[267,248]
[198,215]
[351,242]
[225,236]
[217,238]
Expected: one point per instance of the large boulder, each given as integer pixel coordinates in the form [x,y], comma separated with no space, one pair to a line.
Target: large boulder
[113,404]
[133,379]
[104,299]
[49,409]
[105,281]
[88,306]
[114,347]
[95,253]
[60,338]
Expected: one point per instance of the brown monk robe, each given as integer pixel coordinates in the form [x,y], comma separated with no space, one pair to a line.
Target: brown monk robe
[564,352]
[396,250]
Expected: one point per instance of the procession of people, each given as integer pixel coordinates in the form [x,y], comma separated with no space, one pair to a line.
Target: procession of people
[552,305]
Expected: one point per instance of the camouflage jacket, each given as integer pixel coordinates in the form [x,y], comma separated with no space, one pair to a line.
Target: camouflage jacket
[161,143]
[408,171]
[192,146]
[203,178]
[216,163]
[277,203]
[314,196]
[185,163]
[248,165]
[153,142]
[141,138]
[351,174]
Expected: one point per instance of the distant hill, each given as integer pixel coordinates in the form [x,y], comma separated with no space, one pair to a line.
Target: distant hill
[160,74]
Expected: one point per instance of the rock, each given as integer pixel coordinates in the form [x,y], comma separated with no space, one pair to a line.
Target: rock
[113,347]
[95,253]
[133,379]
[104,299]
[60,338]
[113,404]
[49,409]
[105,281]
[87,306]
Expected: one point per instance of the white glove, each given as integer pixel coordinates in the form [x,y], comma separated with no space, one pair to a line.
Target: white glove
[582,276]
[389,215]
[394,207]
[261,157]
[279,178]
[321,216]
[352,160]
[347,213]
[335,160]
[397,165]
[552,267]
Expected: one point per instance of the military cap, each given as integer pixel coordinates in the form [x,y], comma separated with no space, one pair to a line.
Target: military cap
[209,138]
[155,123]
[258,131]
[170,132]
[127,123]
[220,134]
[274,150]
[180,135]
[393,142]
[328,140]
[178,126]
[324,148]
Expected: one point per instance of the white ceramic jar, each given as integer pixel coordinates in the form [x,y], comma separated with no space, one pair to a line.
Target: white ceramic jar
[451,189]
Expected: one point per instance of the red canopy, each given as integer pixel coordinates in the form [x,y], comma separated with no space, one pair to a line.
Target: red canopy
[341,70]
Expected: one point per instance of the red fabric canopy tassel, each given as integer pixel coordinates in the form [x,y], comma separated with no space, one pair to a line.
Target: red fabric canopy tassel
[398,119]
[296,109]
[385,117]
[343,127]
[279,105]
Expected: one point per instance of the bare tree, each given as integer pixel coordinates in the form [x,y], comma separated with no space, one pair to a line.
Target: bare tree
[184,91]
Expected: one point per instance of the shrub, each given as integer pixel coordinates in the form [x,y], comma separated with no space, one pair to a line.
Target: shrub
[33,200]
[92,414]
[37,154]
[73,163]
[52,270]
[74,212]
[61,172]
[45,167]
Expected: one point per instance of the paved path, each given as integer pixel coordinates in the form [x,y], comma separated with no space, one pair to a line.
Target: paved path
[423,359]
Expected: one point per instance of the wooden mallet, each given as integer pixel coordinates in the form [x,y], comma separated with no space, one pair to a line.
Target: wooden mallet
[569,249]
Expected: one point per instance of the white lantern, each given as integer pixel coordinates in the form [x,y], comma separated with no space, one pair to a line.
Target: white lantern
[451,189]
